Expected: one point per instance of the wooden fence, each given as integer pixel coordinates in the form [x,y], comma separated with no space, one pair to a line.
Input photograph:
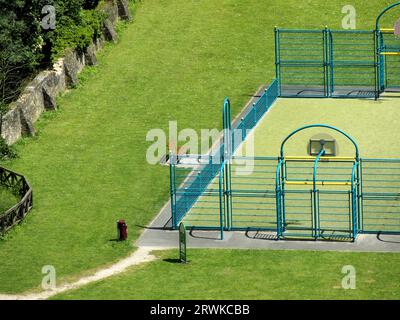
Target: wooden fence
[18,185]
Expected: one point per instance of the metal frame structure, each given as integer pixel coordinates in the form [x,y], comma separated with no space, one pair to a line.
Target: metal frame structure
[333,225]
[313,197]
[338,64]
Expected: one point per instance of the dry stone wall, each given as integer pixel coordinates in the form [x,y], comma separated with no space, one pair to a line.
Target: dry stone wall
[40,94]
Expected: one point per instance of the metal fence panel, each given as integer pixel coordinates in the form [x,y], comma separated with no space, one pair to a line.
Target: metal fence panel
[380,196]
[352,64]
[301,63]
[253,193]
[327,63]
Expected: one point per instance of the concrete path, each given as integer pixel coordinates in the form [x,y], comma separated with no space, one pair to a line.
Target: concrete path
[159,234]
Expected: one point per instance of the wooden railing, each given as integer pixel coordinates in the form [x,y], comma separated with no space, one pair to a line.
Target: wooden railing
[19,186]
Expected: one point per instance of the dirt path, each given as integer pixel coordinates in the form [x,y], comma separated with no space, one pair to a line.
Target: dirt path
[141,255]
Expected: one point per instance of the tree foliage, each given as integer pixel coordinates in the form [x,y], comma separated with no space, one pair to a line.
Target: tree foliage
[25,46]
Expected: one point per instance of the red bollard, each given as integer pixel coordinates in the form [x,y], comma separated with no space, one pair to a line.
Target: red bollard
[122,230]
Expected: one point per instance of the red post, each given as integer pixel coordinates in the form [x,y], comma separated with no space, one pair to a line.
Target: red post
[122,230]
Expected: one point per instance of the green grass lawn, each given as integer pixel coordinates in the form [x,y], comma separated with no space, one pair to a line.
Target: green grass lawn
[252,274]
[87,164]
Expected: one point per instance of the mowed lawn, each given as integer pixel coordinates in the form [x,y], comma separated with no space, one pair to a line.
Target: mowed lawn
[87,165]
[252,274]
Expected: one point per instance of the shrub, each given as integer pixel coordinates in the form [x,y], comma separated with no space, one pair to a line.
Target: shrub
[19,47]
[25,46]
[6,152]
[77,35]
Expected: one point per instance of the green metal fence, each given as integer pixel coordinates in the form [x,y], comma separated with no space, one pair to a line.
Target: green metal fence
[326,63]
[252,199]
[389,61]
[191,185]
[333,198]
[339,63]
[380,195]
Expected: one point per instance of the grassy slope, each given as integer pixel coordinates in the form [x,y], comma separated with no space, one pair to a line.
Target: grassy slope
[87,165]
[252,274]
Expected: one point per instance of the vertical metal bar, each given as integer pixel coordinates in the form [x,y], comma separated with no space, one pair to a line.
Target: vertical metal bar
[277,60]
[316,213]
[325,61]
[283,196]
[278,199]
[350,213]
[376,61]
[354,200]
[172,188]
[255,114]
[230,195]
[331,62]
[386,70]
[382,62]
[221,201]
[312,214]
[361,195]
[319,213]
[243,129]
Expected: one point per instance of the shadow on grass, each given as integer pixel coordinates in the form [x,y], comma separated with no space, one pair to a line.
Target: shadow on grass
[171,260]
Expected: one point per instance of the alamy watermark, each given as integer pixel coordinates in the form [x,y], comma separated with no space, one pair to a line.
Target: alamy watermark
[349,21]
[49,280]
[349,280]
[49,20]
[194,144]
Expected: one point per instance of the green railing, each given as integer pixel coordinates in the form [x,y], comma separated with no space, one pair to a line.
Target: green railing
[186,189]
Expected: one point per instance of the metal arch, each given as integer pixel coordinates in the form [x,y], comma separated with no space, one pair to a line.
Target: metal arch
[383,13]
[319,126]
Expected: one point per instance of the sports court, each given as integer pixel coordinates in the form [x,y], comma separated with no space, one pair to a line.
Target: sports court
[315,155]
[374,125]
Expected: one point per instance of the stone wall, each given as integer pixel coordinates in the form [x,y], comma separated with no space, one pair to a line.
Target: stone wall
[40,94]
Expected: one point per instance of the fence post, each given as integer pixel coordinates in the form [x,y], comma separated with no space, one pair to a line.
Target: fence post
[172,188]
[221,200]
[277,59]
[255,114]
[243,129]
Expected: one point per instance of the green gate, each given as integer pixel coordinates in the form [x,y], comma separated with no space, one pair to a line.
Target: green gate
[326,63]
[388,49]
[389,60]
[344,63]
[317,197]
[301,63]
[252,194]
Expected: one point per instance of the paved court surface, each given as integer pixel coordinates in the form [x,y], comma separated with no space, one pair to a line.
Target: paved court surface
[159,234]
